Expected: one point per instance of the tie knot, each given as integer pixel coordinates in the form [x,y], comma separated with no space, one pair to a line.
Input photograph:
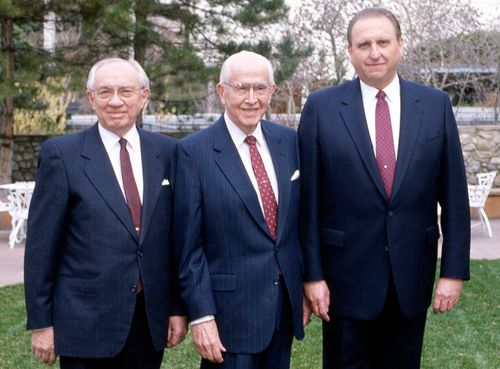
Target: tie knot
[250,140]
[123,143]
[380,95]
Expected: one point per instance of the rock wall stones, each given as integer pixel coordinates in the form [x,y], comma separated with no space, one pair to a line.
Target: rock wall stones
[481,149]
[24,157]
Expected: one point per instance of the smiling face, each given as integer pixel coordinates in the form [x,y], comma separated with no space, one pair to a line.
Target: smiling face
[117,96]
[246,107]
[375,50]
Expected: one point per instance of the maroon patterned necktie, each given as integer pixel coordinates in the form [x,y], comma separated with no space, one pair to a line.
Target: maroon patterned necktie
[386,157]
[266,190]
[131,193]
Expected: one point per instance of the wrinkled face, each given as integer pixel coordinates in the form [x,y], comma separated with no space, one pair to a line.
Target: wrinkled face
[117,96]
[247,94]
[375,50]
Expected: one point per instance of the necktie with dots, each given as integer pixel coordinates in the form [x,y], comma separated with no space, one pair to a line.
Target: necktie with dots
[386,157]
[266,190]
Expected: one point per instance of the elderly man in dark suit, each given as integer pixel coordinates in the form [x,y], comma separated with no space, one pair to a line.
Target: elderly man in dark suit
[378,154]
[236,227]
[99,277]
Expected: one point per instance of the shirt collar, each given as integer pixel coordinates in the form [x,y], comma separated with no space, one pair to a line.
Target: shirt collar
[238,136]
[369,93]
[110,139]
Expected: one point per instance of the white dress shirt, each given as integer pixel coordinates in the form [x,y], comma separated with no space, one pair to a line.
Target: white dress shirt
[238,137]
[112,146]
[393,98]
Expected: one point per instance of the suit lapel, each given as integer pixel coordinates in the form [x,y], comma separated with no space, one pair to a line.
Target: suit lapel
[282,170]
[152,172]
[229,161]
[411,121]
[355,121]
[100,172]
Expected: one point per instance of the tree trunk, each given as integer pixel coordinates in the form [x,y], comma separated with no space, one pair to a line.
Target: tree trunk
[6,102]
[140,13]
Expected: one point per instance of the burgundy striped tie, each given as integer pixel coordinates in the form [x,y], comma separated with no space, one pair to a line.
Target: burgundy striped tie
[386,157]
[266,190]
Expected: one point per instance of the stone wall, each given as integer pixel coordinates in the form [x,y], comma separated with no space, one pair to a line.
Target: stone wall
[480,143]
[24,157]
[481,149]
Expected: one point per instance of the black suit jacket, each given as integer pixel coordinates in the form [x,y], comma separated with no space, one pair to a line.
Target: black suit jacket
[83,255]
[352,234]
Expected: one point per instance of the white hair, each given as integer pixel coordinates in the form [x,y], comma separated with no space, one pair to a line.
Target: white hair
[143,78]
[225,72]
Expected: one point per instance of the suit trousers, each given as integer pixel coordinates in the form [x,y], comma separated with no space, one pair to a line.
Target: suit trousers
[138,352]
[277,353]
[391,341]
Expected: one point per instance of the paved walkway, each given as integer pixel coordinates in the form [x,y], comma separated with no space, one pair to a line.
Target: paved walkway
[11,261]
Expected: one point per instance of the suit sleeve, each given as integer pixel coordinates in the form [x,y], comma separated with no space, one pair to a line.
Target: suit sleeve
[454,201]
[43,243]
[194,276]
[310,199]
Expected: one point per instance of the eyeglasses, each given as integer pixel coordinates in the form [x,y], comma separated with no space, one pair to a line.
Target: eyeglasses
[242,89]
[124,92]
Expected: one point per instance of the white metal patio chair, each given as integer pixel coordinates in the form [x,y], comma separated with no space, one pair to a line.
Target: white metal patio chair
[5,206]
[18,206]
[478,194]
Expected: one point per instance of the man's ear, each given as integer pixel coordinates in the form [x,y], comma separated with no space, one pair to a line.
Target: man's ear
[90,97]
[220,92]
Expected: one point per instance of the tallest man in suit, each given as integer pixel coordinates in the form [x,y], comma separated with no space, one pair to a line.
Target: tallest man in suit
[98,271]
[236,227]
[378,154]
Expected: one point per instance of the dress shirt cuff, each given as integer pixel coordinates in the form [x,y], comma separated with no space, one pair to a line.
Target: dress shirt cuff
[40,329]
[203,319]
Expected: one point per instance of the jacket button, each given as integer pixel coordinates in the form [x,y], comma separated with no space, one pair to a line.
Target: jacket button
[276,282]
[386,248]
[133,288]
[140,252]
[390,213]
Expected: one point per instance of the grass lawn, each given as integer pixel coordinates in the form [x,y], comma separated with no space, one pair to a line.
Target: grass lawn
[466,338]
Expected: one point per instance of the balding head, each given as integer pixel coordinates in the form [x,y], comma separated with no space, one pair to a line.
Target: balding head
[244,58]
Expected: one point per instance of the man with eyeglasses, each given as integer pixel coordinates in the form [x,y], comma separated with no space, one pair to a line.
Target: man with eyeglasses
[99,277]
[235,231]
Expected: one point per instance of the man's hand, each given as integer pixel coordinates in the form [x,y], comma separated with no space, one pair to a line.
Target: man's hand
[447,294]
[306,312]
[177,329]
[42,345]
[318,298]
[207,342]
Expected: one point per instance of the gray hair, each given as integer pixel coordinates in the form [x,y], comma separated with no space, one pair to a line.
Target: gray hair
[373,12]
[225,71]
[143,78]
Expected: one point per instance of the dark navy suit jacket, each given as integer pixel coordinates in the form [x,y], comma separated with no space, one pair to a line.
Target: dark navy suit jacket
[83,255]
[352,234]
[228,262]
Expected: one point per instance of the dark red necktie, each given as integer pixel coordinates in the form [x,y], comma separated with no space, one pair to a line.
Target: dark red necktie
[131,192]
[386,157]
[266,190]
